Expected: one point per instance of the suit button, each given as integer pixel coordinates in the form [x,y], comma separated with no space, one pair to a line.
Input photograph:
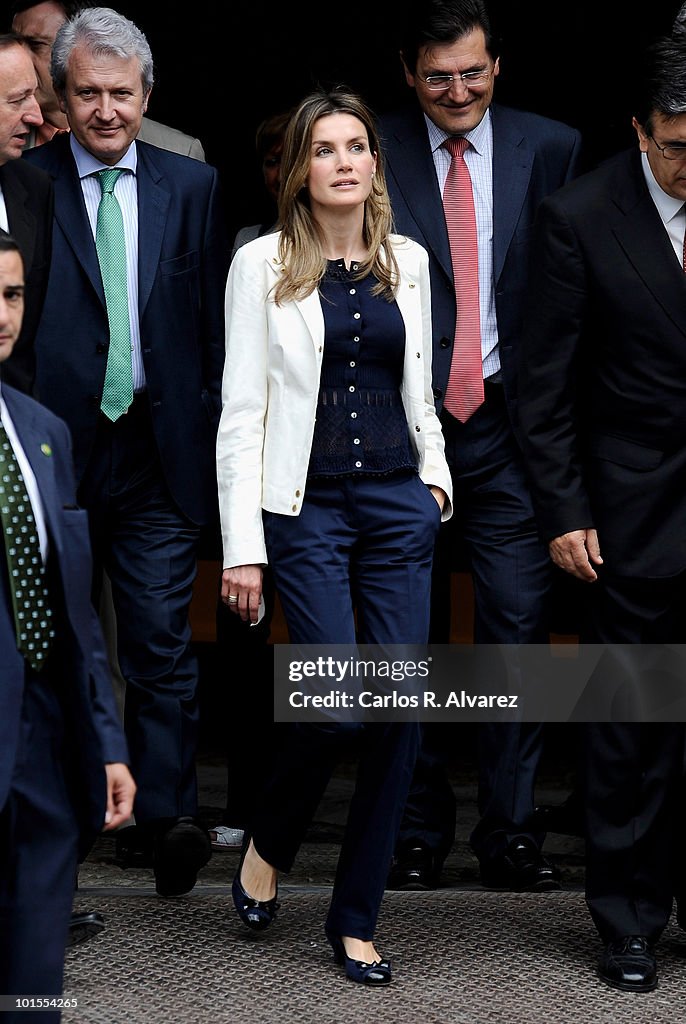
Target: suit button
[438,392]
[101,347]
[444,343]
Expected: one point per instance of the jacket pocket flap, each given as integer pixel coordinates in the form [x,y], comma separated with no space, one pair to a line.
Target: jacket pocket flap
[626,453]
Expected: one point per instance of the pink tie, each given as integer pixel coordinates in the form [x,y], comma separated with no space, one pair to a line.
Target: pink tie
[465,391]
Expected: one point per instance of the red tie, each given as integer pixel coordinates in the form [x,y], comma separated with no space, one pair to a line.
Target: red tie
[465,391]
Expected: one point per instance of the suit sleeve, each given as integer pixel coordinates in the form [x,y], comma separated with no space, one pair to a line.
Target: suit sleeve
[215,270]
[550,374]
[105,715]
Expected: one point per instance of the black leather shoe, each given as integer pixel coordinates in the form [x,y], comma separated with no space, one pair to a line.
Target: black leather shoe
[629,964]
[522,868]
[134,847]
[84,926]
[413,868]
[180,851]
[565,819]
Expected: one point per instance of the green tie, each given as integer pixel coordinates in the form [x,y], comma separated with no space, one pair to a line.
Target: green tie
[117,393]
[28,587]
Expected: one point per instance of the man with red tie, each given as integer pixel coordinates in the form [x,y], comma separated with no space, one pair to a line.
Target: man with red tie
[466,176]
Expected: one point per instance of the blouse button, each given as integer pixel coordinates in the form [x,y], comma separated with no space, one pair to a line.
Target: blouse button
[294,508]
[411,286]
[418,429]
[419,355]
[297,494]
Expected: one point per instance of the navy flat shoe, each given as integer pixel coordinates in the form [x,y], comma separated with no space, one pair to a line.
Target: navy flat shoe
[256,914]
[376,973]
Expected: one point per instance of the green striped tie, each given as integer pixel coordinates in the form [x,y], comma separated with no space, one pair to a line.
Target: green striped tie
[28,587]
[117,393]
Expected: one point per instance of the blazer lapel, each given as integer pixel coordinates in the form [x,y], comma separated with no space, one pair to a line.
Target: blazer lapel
[512,165]
[38,451]
[153,207]
[413,168]
[71,215]
[642,235]
[20,216]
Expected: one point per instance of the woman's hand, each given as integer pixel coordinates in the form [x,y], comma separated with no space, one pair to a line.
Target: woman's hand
[440,496]
[242,589]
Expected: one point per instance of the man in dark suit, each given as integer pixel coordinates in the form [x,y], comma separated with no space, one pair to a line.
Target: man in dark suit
[603,412]
[63,772]
[514,159]
[27,195]
[145,475]
[39,21]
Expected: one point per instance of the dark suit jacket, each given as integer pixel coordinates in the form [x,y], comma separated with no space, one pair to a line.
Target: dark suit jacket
[182,268]
[78,662]
[29,201]
[532,156]
[603,374]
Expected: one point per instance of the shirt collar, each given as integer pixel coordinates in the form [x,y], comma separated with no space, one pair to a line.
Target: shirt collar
[477,136]
[667,206]
[87,164]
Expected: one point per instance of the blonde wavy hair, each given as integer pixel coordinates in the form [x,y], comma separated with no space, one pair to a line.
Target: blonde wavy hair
[300,245]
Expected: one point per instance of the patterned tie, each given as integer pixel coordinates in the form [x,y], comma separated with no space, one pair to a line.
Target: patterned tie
[117,394]
[465,391]
[27,583]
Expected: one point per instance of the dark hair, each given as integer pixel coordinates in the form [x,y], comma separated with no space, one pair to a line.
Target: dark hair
[70,7]
[442,22]
[8,39]
[8,243]
[662,81]
[270,131]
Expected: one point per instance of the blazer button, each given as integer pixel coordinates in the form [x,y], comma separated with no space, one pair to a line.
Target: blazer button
[438,392]
[101,347]
[444,343]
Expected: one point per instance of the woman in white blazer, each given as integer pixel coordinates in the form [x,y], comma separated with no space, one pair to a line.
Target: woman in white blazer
[331,470]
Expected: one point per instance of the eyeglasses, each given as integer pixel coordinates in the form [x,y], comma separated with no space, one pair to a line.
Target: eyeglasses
[471,79]
[674,151]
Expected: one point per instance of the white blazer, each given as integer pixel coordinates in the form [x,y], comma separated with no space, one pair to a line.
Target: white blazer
[271,385]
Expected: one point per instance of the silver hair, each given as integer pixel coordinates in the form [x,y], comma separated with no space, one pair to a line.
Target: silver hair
[104,32]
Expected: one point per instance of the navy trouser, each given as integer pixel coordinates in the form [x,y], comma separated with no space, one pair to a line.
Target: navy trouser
[354,565]
[149,550]
[38,857]
[494,523]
